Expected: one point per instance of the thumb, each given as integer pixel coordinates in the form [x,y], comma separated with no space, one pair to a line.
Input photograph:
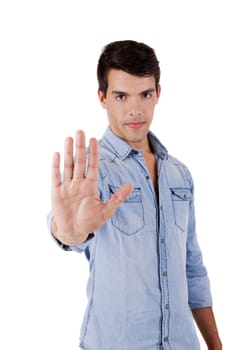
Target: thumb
[117,199]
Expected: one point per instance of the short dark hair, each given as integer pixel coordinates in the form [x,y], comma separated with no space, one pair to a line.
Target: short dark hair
[133,57]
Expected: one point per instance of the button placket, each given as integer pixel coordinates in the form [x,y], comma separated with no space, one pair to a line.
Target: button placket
[163,278]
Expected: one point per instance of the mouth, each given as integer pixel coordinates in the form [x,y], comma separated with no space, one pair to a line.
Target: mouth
[135,125]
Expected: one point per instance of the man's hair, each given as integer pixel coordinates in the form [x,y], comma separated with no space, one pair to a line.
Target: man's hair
[130,56]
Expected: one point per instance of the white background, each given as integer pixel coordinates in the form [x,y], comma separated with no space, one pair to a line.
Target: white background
[49,51]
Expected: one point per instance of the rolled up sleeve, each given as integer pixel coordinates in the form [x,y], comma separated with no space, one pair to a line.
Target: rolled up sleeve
[197,276]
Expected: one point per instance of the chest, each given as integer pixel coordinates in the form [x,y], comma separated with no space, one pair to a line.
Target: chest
[151,165]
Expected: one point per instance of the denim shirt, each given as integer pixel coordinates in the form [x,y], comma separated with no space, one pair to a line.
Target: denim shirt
[146,268]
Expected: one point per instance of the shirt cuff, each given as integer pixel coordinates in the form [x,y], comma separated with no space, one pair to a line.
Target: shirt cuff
[199,293]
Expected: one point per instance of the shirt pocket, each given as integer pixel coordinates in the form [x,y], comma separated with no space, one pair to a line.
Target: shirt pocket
[180,202]
[129,216]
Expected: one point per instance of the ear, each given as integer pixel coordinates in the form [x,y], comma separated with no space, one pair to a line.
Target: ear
[102,98]
[159,91]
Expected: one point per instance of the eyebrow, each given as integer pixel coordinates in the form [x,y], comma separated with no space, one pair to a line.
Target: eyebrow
[116,92]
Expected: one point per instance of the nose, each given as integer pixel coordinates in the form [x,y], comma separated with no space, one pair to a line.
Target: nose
[135,116]
[134,109]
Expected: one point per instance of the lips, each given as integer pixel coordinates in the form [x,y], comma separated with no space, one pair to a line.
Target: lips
[135,125]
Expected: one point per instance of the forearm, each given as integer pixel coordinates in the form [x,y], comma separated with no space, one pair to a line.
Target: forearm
[206,323]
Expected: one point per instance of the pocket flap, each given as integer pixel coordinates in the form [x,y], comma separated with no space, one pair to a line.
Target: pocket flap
[133,197]
[181,194]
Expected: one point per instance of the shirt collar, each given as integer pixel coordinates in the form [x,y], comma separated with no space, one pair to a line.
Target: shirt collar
[122,149]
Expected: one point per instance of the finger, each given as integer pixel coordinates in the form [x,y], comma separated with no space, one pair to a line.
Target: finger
[118,198]
[80,156]
[68,159]
[92,171]
[56,174]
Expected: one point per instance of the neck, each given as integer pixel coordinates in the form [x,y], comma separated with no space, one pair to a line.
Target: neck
[144,146]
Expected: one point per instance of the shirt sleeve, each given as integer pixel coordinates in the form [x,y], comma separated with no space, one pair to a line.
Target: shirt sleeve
[78,248]
[197,276]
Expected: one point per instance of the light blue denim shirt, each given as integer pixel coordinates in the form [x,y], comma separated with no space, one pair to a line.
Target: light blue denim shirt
[146,268]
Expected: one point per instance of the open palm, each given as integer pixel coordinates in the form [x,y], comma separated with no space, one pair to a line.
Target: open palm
[77,208]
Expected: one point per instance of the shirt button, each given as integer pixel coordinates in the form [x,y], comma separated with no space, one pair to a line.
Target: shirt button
[135,152]
[165,274]
[162,240]
[147,177]
[165,339]
[167,306]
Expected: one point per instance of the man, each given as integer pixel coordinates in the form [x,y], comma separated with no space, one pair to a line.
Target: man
[129,206]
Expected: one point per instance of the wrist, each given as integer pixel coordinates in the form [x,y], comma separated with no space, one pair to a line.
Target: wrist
[67,238]
[215,344]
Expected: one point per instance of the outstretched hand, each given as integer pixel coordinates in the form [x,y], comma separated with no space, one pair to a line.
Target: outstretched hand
[77,208]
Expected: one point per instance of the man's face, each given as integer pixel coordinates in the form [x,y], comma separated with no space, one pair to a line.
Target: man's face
[130,101]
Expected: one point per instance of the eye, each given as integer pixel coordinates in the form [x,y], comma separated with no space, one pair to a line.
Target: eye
[147,95]
[121,97]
